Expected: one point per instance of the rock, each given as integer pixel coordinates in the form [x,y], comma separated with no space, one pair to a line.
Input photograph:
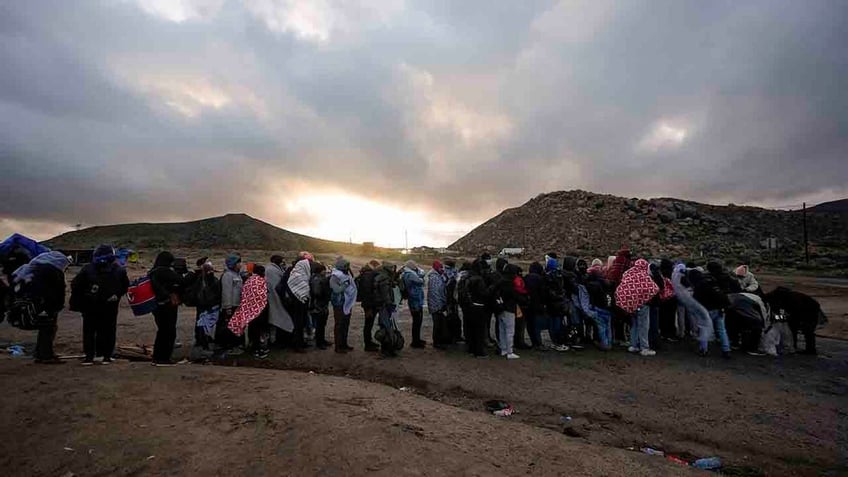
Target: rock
[634,235]
[667,216]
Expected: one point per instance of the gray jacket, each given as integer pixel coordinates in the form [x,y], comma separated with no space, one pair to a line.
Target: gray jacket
[231,284]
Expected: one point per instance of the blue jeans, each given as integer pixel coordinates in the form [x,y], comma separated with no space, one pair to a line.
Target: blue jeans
[717,317]
[640,325]
[602,320]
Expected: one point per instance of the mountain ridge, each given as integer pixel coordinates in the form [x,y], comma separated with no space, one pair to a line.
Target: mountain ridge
[233,231]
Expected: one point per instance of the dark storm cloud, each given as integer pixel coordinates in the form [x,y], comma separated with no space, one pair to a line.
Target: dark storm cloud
[115,111]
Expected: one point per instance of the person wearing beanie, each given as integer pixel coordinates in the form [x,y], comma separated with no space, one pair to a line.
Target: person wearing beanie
[437,302]
[413,281]
[166,285]
[343,297]
[366,296]
[96,292]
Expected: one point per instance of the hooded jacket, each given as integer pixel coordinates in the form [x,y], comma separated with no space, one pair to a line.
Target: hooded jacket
[44,278]
[414,281]
[99,286]
[343,287]
[746,279]
[384,285]
[534,282]
[476,286]
[365,286]
[319,290]
[636,288]
[164,279]
[231,286]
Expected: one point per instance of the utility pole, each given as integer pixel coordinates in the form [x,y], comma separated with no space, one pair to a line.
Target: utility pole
[806,243]
[406,240]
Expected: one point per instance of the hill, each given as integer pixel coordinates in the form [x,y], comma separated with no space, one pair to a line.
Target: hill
[588,224]
[836,206]
[233,231]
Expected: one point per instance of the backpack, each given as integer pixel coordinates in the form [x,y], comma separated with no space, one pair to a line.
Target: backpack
[390,339]
[141,297]
[26,310]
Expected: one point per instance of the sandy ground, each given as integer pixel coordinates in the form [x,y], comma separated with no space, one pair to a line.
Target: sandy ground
[784,416]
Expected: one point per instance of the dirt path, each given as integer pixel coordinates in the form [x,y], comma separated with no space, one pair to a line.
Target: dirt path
[784,416]
[133,419]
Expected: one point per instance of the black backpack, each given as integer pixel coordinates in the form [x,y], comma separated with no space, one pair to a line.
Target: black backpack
[26,310]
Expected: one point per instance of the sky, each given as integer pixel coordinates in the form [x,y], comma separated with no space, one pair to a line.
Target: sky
[378,120]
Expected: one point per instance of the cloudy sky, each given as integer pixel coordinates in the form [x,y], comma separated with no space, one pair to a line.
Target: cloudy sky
[364,118]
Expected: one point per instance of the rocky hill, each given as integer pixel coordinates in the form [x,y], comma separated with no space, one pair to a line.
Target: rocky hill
[587,224]
[837,206]
[233,232]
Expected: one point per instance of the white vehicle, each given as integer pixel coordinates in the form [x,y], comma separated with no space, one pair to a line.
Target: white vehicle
[512,252]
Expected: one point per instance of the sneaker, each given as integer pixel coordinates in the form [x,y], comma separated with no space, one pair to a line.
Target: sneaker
[164,364]
[261,354]
[632,349]
[88,362]
[512,356]
[648,352]
[756,353]
[106,362]
[561,348]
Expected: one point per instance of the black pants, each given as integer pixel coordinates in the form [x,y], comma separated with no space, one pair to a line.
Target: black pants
[44,341]
[319,319]
[98,332]
[341,327]
[367,331]
[520,326]
[417,321]
[165,317]
[441,332]
[454,323]
[259,333]
[475,330]
[668,318]
[298,312]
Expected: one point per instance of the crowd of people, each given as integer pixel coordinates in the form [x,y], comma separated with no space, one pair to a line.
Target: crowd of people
[485,303]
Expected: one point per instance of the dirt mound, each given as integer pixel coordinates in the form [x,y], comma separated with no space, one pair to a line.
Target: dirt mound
[233,231]
[587,224]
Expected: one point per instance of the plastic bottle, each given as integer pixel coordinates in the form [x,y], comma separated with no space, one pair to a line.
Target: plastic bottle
[707,463]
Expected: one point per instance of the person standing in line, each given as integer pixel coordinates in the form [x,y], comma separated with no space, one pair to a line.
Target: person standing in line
[413,282]
[386,301]
[537,294]
[365,293]
[476,297]
[206,291]
[632,296]
[96,292]
[231,288]
[278,317]
[298,287]
[343,296]
[507,305]
[437,303]
[166,285]
[452,312]
[319,303]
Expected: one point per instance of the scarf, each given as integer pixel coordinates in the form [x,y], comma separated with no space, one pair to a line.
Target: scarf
[254,299]
[636,288]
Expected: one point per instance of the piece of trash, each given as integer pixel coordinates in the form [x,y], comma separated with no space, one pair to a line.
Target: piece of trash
[495,405]
[312,372]
[707,463]
[564,419]
[151,457]
[405,389]
[652,451]
[16,350]
[676,460]
[90,451]
[69,449]
[504,412]
[69,474]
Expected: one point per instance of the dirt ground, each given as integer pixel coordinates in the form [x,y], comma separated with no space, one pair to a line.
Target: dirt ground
[760,415]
